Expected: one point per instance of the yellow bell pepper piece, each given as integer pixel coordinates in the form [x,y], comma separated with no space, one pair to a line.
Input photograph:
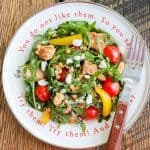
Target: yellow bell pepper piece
[106,100]
[66,40]
[45,116]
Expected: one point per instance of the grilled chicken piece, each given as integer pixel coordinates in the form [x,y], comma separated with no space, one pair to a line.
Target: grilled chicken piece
[89,68]
[95,38]
[58,99]
[45,52]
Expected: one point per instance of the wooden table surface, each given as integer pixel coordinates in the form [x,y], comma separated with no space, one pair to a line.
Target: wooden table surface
[12,14]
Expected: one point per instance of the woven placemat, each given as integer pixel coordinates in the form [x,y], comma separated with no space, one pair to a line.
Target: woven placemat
[138,13]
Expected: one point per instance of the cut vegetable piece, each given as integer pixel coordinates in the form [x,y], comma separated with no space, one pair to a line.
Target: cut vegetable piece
[42,93]
[113,53]
[45,116]
[66,40]
[45,52]
[91,113]
[111,87]
[97,40]
[89,68]
[106,100]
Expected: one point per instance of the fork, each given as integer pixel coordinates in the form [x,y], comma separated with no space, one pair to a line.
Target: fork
[131,76]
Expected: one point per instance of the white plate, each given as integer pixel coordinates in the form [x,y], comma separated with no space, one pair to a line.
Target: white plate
[68,136]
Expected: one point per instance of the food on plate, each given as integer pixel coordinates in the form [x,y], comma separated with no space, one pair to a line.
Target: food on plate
[106,100]
[73,74]
[113,53]
[111,87]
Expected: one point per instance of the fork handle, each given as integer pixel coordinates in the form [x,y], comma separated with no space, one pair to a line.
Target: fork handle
[114,141]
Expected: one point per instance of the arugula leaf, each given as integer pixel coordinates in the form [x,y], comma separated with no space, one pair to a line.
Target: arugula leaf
[33,94]
[89,56]
[71,27]
[28,94]
[28,73]
[57,86]
[85,36]
[34,61]
[114,104]
[49,73]
[100,119]
[91,27]
[30,68]
[107,117]
[57,114]
[113,72]
[77,110]
[49,33]
[83,126]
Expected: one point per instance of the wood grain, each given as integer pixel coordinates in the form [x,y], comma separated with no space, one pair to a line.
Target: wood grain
[12,14]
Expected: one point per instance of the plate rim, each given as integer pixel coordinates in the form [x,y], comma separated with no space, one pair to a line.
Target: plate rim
[147,92]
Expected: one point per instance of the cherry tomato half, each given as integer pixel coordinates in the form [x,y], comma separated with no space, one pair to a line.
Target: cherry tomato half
[112,88]
[63,74]
[113,53]
[42,93]
[91,113]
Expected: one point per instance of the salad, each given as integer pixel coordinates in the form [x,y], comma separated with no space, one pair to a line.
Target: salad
[74,74]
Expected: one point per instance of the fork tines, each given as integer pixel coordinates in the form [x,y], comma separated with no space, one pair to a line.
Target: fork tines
[136,51]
